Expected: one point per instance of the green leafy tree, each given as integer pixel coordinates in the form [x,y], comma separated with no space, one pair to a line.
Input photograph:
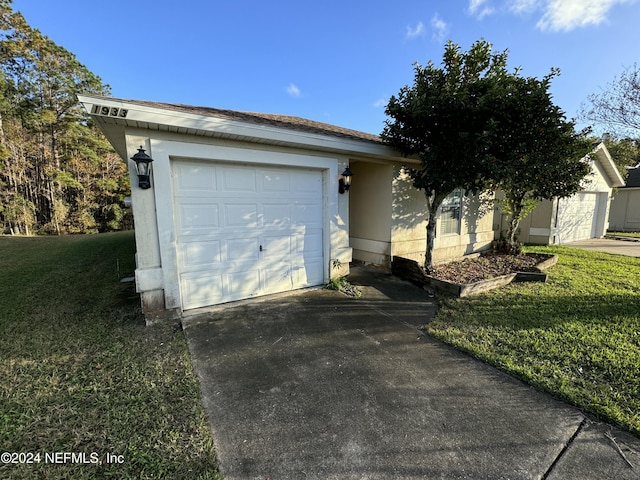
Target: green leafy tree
[442,120]
[536,151]
[625,152]
[474,125]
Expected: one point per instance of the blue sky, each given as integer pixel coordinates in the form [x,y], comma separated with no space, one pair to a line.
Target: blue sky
[331,61]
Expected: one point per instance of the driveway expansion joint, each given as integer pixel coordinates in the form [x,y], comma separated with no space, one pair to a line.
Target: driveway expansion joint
[565,448]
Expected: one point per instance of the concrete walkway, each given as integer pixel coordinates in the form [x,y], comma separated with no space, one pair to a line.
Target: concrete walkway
[630,248]
[316,385]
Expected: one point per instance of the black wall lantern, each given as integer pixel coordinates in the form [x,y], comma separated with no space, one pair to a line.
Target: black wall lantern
[344,183]
[143,167]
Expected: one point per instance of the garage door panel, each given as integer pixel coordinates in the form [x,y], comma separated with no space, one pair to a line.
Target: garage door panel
[195,179]
[306,214]
[225,213]
[244,283]
[274,181]
[238,179]
[199,216]
[242,249]
[277,279]
[306,183]
[311,243]
[241,215]
[201,254]
[311,274]
[200,289]
[276,247]
[276,214]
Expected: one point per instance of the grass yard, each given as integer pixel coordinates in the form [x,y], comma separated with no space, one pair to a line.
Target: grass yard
[577,336]
[81,374]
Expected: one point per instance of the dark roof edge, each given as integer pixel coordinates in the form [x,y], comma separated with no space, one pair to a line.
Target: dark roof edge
[264,119]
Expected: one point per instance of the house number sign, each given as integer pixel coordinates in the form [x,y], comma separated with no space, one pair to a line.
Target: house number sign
[109,111]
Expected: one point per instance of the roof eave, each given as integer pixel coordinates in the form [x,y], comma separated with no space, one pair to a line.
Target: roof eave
[615,179]
[166,119]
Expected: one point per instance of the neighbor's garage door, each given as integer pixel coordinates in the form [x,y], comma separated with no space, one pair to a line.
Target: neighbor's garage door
[243,231]
[577,217]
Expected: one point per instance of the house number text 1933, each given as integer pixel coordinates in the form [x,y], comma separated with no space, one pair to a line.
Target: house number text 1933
[109,111]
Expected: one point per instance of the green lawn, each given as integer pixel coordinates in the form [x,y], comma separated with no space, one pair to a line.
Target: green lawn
[577,336]
[80,373]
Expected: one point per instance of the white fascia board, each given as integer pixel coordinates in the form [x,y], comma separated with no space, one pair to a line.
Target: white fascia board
[163,116]
[609,166]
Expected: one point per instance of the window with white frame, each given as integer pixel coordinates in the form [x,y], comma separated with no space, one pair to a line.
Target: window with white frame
[451,213]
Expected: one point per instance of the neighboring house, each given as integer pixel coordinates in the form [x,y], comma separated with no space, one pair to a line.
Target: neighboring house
[247,204]
[625,207]
[579,217]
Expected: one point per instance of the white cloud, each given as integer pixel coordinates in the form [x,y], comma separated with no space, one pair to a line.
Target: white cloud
[414,32]
[480,8]
[381,102]
[556,15]
[294,91]
[523,6]
[440,28]
[565,15]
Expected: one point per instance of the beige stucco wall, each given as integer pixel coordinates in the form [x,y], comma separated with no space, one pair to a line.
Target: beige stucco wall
[624,215]
[409,217]
[370,211]
[476,231]
[388,218]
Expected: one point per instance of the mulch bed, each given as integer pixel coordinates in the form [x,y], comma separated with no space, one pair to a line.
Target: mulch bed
[490,265]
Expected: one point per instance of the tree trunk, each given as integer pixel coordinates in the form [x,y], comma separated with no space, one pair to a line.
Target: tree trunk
[514,223]
[516,206]
[433,203]
[431,237]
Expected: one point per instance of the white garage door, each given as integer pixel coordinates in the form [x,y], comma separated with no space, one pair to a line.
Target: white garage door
[244,231]
[577,217]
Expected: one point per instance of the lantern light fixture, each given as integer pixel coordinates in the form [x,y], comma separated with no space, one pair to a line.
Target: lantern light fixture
[143,168]
[344,182]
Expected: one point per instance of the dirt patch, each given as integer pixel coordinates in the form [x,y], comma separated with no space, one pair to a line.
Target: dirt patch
[487,266]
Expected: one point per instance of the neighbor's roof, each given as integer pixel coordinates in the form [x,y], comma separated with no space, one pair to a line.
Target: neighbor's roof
[633,178]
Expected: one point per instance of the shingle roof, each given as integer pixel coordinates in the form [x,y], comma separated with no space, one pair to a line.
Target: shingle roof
[274,120]
[633,178]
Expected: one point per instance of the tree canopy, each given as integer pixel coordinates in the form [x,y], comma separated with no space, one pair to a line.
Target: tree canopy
[442,119]
[625,152]
[58,174]
[474,125]
[536,151]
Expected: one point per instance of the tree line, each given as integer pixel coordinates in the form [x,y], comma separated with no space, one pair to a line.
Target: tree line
[58,173]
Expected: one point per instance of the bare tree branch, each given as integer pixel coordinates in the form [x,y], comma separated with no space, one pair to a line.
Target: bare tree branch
[618,106]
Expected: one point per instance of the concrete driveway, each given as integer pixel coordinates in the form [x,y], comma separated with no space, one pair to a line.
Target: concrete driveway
[630,248]
[316,385]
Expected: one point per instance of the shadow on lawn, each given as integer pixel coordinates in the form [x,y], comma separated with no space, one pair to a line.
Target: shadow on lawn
[544,311]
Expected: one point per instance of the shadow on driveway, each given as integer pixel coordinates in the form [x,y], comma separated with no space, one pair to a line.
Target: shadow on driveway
[317,385]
